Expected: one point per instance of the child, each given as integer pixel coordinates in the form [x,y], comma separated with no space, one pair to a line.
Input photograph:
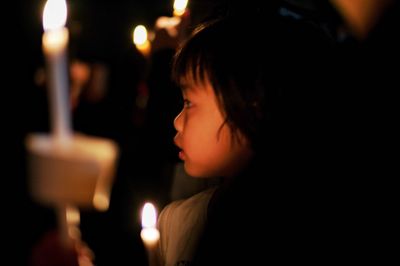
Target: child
[242,103]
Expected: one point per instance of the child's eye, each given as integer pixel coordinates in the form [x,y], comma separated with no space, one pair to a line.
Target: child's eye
[187,103]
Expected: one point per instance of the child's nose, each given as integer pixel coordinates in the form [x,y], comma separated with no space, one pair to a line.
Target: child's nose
[178,122]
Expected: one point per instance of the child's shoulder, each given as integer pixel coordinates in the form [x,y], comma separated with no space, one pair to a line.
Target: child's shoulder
[193,205]
[181,223]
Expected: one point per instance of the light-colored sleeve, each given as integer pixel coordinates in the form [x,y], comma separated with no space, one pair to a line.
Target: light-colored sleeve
[180,224]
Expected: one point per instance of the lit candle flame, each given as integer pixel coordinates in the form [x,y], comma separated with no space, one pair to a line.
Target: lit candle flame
[149,215]
[140,40]
[149,234]
[54,14]
[180,7]
[140,35]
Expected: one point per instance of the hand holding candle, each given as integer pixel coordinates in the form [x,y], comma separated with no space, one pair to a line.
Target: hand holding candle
[150,234]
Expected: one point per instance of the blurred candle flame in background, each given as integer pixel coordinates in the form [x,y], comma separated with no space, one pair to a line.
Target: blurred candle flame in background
[140,40]
[180,7]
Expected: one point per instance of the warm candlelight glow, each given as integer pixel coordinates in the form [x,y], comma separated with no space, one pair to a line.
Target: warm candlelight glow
[56,41]
[140,35]
[149,234]
[180,7]
[54,14]
[149,215]
[55,38]
[140,39]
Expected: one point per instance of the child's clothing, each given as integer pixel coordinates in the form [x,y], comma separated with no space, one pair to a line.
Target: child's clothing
[181,223]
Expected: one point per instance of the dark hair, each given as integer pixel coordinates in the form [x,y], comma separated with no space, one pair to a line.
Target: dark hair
[248,63]
[266,71]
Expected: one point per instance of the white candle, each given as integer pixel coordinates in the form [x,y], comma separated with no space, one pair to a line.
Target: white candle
[55,42]
[150,234]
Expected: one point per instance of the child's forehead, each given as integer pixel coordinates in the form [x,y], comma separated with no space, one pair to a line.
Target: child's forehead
[189,81]
[196,86]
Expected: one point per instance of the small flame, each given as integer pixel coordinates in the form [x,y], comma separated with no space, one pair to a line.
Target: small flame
[180,7]
[54,14]
[149,215]
[140,35]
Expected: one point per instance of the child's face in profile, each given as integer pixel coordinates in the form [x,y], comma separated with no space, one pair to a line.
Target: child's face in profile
[206,143]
